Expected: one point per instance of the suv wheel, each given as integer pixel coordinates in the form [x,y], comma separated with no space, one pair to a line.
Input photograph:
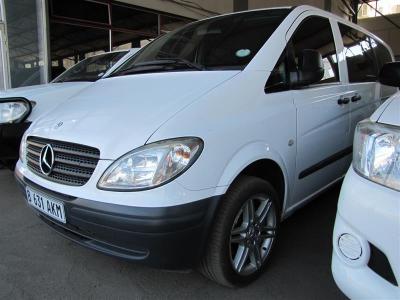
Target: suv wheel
[243,234]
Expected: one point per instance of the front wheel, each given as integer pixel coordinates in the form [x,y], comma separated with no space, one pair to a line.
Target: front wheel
[243,234]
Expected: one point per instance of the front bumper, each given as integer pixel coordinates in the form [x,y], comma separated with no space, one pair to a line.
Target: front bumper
[371,214]
[168,237]
[10,139]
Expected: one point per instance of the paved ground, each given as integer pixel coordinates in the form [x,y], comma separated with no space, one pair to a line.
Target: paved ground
[36,263]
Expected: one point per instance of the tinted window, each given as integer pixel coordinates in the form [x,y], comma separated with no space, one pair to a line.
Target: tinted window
[92,68]
[226,42]
[382,54]
[360,58]
[313,33]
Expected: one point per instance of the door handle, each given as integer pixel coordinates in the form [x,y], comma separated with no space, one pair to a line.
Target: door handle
[342,101]
[355,98]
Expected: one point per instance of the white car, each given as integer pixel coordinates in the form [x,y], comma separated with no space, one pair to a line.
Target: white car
[366,239]
[193,151]
[19,107]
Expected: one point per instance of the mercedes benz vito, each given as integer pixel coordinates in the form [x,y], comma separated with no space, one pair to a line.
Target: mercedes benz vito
[192,152]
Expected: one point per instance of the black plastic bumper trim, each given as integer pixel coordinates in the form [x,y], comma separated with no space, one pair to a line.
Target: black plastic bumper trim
[379,263]
[165,237]
[10,139]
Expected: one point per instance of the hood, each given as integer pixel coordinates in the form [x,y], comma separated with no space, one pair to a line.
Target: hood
[119,114]
[46,96]
[391,114]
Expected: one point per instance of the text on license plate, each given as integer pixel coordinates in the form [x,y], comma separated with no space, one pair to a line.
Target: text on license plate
[50,207]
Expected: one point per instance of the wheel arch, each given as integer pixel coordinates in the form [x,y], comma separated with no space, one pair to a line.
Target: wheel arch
[259,160]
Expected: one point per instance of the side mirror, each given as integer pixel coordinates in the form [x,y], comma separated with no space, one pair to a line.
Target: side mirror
[311,68]
[390,74]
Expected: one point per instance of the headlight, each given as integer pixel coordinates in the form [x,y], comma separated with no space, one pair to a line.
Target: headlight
[13,110]
[151,165]
[377,153]
[22,149]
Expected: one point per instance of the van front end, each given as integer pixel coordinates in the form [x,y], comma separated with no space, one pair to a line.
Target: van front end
[165,227]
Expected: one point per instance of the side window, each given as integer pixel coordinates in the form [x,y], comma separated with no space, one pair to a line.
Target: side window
[360,58]
[278,80]
[314,33]
[382,54]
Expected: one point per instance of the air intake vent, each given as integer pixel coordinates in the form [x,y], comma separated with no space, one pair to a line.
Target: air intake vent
[73,164]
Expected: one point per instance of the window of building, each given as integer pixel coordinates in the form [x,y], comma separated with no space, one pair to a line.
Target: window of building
[360,57]
[26,43]
[385,7]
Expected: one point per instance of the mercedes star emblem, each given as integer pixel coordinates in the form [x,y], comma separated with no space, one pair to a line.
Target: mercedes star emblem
[46,160]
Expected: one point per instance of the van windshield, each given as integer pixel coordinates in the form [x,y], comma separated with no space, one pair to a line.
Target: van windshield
[222,43]
[92,68]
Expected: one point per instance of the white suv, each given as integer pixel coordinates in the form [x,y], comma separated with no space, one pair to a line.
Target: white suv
[366,240]
[193,151]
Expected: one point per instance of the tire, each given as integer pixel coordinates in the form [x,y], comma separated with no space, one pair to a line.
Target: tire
[225,259]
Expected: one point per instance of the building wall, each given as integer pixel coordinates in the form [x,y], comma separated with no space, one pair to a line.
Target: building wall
[385,30]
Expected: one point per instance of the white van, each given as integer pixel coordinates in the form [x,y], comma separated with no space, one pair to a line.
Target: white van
[19,107]
[366,239]
[193,151]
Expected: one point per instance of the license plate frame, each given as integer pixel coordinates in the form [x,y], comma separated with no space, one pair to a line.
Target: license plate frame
[46,205]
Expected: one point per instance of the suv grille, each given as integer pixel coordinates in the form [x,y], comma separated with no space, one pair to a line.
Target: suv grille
[73,164]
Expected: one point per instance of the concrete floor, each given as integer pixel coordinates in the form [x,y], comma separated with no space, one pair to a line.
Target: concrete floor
[36,263]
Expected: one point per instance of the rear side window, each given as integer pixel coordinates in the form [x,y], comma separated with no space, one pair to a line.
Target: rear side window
[360,57]
[313,33]
[382,54]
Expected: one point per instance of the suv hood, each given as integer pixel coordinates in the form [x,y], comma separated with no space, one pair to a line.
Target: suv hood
[391,114]
[117,115]
[46,96]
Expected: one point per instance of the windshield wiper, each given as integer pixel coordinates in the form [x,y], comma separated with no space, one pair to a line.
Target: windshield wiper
[160,64]
[178,60]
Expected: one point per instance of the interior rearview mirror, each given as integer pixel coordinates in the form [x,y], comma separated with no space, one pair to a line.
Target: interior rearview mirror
[390,74]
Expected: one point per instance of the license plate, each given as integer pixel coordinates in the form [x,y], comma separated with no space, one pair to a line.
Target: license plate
[46,205]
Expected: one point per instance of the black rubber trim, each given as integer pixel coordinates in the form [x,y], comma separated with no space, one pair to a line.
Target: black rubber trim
[10,139]
[379,263]
[164,237]
[326,162]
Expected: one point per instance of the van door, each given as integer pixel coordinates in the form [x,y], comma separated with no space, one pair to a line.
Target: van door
[323,117]
[362,75]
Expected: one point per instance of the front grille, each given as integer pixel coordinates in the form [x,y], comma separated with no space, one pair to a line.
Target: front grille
[73,164]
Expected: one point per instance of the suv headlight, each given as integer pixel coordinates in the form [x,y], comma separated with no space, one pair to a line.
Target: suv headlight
[151,165]
[376,153]
[14,110]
